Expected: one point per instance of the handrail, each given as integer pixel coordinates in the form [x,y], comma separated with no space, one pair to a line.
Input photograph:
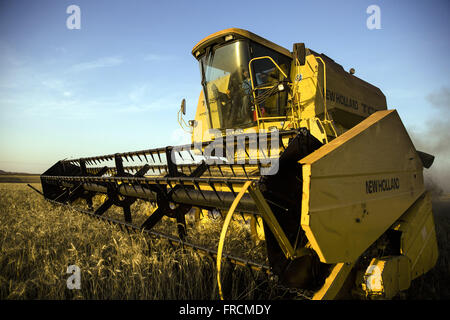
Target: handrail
[258,118]
[326,120]
[324,95]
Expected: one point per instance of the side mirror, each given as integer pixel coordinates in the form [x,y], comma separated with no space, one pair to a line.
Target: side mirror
[299,52]
[183,106]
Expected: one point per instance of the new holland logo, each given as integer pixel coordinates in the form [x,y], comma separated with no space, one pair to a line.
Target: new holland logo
[373,186]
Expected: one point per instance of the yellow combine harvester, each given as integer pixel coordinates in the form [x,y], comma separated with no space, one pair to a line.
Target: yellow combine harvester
[293,140]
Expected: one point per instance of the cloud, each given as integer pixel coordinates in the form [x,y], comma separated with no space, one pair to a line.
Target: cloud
[437,134]
[139,92]
[99,63]
[180,137]
[147,96]
[440,100]
[59,86]
[61,50]
[138,107]
[434,139]
[9,56]
[157,57]
[12,66]
[54,84]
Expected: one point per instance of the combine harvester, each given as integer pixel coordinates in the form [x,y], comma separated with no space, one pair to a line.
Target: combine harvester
[295,141]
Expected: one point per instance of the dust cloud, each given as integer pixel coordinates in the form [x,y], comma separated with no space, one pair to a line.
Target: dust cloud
[435,139]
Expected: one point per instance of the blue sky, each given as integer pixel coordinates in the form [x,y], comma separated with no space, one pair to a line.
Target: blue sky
[116,84]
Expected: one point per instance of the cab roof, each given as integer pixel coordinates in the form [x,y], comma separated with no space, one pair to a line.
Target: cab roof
[219,37]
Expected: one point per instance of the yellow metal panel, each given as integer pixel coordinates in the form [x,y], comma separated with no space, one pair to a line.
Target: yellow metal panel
[269,217]
[334,282]
[418,241]
[358,185]
[385,277]
[349,97]
[310,100]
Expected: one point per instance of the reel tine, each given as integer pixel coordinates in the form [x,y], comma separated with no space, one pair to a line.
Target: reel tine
[232,170]
[159,156]
[230,186]
[190,153]
[243,168]
[169,184]
[184,189]
[218,166]
[199,189]
[214,189]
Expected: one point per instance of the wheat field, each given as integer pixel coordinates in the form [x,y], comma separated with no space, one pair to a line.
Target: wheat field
[39,240]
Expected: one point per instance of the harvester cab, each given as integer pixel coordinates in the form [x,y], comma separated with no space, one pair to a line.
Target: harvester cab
[250,83]
[291,141]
